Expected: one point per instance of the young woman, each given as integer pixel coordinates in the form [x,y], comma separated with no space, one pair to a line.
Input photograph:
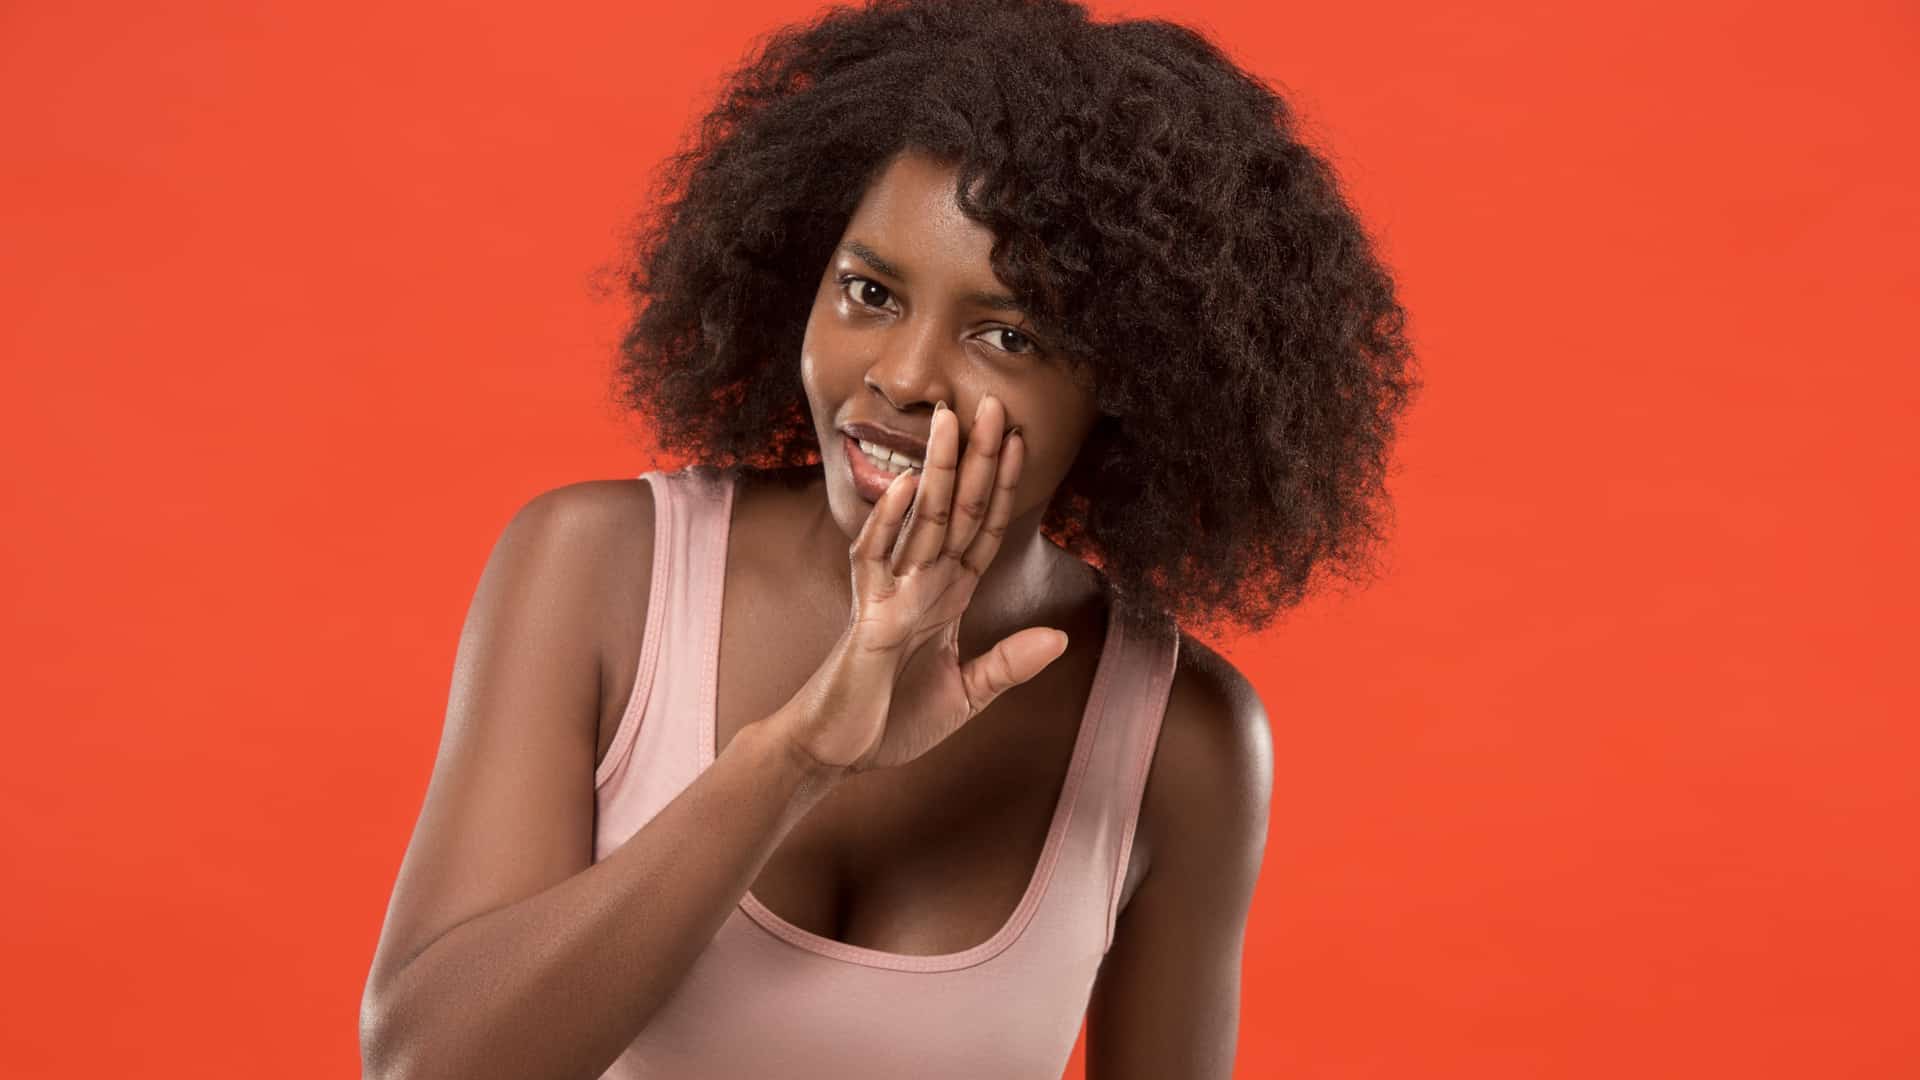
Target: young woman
[1005,344]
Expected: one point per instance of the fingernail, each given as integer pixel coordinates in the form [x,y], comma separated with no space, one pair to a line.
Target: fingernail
[1015,430]
[939,406]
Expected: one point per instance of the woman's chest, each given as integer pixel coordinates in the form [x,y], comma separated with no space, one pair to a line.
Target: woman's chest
[928,858]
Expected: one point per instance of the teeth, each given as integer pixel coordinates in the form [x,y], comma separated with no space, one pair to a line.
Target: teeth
[890,460]
[885,464]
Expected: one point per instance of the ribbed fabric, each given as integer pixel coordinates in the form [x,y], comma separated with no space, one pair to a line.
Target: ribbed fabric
[769,999]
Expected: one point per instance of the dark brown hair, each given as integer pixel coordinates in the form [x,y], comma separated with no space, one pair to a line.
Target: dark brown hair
[1156,213]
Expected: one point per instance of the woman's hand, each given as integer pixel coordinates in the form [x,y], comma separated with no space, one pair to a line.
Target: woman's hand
[893,686]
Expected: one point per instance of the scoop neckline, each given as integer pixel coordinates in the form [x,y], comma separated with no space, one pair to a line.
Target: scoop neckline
[1042,875]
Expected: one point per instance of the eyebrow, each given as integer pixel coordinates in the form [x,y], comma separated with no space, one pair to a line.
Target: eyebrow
[994,300]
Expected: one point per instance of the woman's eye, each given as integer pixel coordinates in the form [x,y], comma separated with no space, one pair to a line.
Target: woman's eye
[861,290]
[1016,337]
[869,293]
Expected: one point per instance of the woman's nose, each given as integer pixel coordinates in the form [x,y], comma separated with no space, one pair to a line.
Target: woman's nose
[912,368]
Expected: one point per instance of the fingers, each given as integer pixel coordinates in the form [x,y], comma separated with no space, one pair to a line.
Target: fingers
[980,553]
[977,470]
[954,493]
[1017,658]
[875,543]
[931,506]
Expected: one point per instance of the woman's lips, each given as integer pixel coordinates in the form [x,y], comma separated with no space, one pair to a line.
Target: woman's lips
[869,480]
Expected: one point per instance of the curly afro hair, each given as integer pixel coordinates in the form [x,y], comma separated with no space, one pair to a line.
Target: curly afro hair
[1154,210]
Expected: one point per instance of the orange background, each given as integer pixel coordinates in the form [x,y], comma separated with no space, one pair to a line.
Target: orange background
[1614,775]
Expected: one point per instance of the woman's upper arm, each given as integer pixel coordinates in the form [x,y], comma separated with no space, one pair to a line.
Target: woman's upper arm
[509,808]
[1166,1001]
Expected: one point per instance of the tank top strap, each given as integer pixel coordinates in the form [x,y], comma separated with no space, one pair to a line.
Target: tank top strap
[1133,704]
[670,710]
[706,503]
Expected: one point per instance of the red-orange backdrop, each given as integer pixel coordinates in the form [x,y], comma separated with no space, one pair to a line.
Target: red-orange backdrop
[1608,778]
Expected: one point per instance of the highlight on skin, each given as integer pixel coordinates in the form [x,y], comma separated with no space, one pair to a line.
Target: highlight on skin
[1154,209]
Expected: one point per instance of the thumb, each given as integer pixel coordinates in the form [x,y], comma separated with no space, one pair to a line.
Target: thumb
[1017,658]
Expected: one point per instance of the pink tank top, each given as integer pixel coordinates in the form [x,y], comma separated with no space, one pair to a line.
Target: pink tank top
[767,998]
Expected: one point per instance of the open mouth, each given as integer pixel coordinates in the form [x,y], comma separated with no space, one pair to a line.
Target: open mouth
[872,467]
[892,461]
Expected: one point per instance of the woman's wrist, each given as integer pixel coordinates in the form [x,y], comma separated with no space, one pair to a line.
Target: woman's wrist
[810,777]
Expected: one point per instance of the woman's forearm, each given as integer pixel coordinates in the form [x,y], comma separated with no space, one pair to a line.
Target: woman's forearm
[558,984]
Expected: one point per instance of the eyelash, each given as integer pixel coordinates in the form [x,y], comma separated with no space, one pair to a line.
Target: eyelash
[1033,344]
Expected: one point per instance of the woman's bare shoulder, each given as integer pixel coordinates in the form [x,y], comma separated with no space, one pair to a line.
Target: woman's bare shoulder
[606,520]
[609,526]
[1213,766]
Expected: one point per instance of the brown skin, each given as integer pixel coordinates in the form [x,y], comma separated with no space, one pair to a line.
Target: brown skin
[950,854]
[1166,1003]
[1167,997]
[886,348]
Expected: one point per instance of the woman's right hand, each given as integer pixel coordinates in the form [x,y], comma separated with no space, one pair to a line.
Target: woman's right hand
[894,686]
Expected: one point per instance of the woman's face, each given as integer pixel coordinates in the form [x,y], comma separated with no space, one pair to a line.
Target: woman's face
[906,316]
